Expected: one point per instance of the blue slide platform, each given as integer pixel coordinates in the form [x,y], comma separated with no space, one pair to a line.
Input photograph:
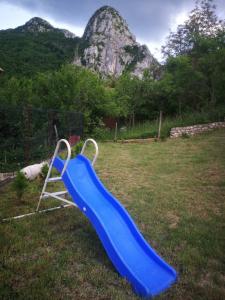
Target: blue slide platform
[131,255]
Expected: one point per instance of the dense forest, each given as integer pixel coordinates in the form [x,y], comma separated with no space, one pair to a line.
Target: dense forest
[192,78]
[26,53]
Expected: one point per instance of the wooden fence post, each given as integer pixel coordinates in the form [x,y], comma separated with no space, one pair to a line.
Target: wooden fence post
[160,124]
[115,136]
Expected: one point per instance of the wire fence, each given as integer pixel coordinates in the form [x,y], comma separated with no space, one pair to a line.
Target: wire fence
[29,135]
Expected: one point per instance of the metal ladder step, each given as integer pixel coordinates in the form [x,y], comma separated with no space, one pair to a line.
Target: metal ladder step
[48,194]
[54,179]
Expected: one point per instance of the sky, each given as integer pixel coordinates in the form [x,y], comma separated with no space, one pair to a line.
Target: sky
[149,20]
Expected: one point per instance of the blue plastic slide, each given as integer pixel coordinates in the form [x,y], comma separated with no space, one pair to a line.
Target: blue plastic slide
[129,252]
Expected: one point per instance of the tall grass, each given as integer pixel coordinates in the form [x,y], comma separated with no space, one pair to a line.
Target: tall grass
[149,129]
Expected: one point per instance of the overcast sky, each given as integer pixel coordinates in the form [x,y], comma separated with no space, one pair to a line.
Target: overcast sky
[149,20]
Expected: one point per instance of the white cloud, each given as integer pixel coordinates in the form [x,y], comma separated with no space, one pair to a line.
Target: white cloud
[180,18]
[155,45]
[75,29]
[12,16]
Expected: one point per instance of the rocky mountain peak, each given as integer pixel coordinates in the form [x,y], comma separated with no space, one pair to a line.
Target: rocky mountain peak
[110,47]
[107,22]
[37,24]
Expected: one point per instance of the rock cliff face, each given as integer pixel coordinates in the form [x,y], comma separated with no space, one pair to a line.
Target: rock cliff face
[39,25]
[110,48]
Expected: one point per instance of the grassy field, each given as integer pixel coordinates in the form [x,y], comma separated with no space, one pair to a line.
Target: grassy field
[175,192]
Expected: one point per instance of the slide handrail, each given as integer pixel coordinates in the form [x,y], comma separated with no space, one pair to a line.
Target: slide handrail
[96,149]
[68,153]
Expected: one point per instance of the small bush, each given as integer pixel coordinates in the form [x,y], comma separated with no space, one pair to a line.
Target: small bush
[101,133]
[185,135]
[44,171]
[145,135]
[163,138]
[20,184]
[77,149]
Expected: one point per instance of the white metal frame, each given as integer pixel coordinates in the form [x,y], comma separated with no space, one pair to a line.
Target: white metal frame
[57,195]
[36,212]
[96,149]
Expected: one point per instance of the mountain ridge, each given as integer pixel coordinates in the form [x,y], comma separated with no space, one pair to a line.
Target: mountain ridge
[37,24]
[107,46]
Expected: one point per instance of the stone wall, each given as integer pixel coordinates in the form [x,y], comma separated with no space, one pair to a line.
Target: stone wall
[6,177]
[3,176]
[195,129]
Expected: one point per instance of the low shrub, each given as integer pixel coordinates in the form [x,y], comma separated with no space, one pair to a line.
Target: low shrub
[77,149]
[44,171]
[20,184]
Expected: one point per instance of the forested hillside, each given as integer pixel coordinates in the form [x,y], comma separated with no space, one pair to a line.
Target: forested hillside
[107,47]
[192,78]
[26,53]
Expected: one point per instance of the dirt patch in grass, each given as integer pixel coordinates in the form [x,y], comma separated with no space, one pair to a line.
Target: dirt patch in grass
[172,219]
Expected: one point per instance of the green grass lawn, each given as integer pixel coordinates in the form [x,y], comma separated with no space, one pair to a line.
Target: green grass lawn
[175,192]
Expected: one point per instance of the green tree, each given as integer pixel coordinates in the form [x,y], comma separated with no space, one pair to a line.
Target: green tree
[195,61]
[202,22]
